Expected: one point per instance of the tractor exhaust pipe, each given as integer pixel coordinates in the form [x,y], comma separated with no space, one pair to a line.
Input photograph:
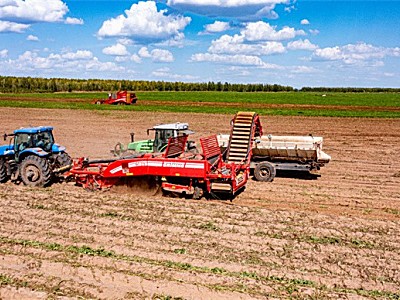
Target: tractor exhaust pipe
[132,137]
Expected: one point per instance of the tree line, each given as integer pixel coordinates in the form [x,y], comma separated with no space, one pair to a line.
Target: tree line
[9,84]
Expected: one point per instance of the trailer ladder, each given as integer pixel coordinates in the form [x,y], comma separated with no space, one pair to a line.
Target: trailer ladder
[242,133]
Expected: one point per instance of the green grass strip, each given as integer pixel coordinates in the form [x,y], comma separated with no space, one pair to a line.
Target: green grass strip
[205,109]
[294,98]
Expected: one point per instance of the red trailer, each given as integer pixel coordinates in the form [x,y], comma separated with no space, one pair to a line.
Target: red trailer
[189,174]
[118,98]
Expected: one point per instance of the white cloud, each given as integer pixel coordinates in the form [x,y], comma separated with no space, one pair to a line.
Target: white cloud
[360,53]
[17,15]
[136,58]
[305,22]
[235,45]
[243,9]
[7,26]
[166,73]
[254,40]
[33,10]
[261,31]
[125,41]
[156,55]
[258,38]
[329,53]
[3,53]
[116,50]
[303,70]
[217,26]
[160,55]
[314,31]
[244,60]
[69,62]
[224,3]
[32,38]
[73,21]
[80,54]
[175,41]
[143,21]
[121,58]
[144,52]
[301,45]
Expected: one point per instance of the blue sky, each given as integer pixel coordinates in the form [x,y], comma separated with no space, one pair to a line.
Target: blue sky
[297,43]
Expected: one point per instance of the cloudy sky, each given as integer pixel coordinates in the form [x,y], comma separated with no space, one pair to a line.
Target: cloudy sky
[297,43]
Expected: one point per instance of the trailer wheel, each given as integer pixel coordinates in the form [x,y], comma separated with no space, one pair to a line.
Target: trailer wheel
[35,171]
[265,171]
[98,102]
[3,171]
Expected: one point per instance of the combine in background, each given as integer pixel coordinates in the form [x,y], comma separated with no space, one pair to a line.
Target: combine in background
[118,98]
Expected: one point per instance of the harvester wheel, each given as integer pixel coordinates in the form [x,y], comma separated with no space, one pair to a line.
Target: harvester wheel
[265,171]
[35,171]
[3,171]
[198,193]
[98,102]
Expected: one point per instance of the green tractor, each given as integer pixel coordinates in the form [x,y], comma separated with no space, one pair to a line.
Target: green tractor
[157,145]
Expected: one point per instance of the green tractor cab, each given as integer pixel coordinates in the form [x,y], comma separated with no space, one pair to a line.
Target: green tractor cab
[162,133]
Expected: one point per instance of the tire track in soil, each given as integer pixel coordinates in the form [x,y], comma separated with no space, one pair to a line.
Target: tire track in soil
[104,230]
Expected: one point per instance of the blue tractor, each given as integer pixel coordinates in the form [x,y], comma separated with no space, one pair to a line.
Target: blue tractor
[33,157]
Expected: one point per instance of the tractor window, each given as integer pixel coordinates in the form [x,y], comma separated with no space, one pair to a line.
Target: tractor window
[43,140]
[161,139]
[22,141]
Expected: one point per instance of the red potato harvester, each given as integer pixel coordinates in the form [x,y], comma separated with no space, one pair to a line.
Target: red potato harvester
[176,171]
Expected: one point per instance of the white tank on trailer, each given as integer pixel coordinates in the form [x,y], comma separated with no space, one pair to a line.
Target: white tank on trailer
[290,153]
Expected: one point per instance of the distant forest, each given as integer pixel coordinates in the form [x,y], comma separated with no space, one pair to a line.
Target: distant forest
[51,85]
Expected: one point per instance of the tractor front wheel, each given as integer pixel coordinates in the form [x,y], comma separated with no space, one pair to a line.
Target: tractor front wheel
[3,171]
[35,171]
[63,160]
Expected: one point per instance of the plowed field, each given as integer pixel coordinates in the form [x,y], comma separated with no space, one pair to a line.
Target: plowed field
[333,237]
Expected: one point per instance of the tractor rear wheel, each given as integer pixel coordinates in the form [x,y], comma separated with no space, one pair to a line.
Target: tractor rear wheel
[265,171]
[35,171]
[3,171]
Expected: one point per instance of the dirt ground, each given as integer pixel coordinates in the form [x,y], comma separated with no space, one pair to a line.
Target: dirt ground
[333,237]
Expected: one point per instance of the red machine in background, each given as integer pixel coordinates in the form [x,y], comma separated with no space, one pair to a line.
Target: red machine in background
[189,174]
[118,98]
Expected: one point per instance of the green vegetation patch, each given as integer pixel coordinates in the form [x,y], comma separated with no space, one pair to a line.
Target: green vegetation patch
[368,105]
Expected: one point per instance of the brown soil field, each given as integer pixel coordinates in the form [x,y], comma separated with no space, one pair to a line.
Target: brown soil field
[333,237]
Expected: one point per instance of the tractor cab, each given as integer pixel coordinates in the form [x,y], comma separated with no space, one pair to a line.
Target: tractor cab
[165,131]
[36,137]
[161,135]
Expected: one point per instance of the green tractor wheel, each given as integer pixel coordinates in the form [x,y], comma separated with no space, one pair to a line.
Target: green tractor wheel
[35,171]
